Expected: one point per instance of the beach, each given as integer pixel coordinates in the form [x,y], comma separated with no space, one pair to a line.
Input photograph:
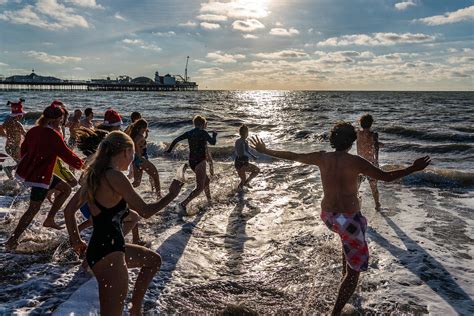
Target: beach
[266,250]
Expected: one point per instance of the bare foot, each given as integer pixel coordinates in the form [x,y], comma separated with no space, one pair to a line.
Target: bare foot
[377,206]
[52,224]
[11,245]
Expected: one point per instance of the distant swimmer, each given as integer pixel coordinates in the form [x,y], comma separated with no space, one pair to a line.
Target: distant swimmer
[87,120]
[198,138]
[109,193]
[73,123]
[340,209]
[241,163]
[138,132]
[39,151]
[14,132]
[368,148]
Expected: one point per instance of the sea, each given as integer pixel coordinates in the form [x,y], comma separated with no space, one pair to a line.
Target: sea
[265,250]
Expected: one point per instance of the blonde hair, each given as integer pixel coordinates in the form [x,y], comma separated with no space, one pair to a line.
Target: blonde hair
[115,143]
[42,121]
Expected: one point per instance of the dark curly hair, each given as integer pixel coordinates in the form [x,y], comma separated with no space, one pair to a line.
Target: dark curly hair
[366,121]
[342,136]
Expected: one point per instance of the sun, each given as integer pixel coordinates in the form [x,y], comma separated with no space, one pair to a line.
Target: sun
[255,8]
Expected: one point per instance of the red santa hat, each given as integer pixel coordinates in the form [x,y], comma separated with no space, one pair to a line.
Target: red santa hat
[17,108]
[112,118]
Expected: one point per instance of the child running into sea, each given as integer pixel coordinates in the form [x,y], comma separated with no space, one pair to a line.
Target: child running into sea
[340,208]
[368,147]
[241,162]
[73,123]
[39,151]
[109,193]
[15,133]
[141,163]
[197,140]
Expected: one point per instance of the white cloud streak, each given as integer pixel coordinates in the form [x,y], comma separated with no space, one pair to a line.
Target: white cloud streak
[223,58]
[377,39]
[404,5]
[85,3]
[284,32]
[239,9]
[284,54]
[119,17]
[51,59]
[212,18]
[210,26]
[141,44]
[46,14]
[250,25]
[188,24]
[466,14]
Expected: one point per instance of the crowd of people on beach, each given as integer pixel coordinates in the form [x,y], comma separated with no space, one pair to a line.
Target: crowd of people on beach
[112,164]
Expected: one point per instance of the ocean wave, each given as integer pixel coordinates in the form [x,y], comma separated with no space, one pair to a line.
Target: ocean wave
[436,149]
[427,135]
[437,177]
[464,129]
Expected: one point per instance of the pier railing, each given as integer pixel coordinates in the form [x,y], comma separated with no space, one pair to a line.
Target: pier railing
[89,86]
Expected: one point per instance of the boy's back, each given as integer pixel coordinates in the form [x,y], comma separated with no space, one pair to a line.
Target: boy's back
[367,145]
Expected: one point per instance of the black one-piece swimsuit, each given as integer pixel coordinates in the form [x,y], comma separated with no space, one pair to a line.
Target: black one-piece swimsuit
[107,236]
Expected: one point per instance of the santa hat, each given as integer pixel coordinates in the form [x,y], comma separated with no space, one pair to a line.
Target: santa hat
[17,108]
[112,118]
[54,111]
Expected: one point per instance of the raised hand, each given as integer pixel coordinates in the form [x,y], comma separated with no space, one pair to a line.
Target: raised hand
[257,144]
[421,163]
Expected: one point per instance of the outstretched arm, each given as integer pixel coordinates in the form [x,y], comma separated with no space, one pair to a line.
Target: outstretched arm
[124,188]
[175,141]
[370,170]
[313,158]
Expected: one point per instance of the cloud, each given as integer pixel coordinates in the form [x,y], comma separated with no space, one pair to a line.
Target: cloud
[460,15]
[51,59]
[85,3]
[119,17]
[3,64]
[284,54]
[212,18]
[164,34]
[46,14]
[239,9]
[141,44]
[210,71]
[210,26]
[250,25]
[404,5]
[222,58]
[284,32]
[249,36]
[188,24]
[78,68]
[377,39]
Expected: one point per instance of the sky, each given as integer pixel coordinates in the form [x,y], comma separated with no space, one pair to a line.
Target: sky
[243,44]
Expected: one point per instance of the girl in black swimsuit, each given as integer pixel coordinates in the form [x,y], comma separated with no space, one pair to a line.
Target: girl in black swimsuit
[108,193]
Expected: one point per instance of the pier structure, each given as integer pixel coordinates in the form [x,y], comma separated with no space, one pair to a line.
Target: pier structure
[121,83]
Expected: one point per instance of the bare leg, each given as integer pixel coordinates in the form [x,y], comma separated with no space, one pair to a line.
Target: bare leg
[112,276]
[153,173]
[207,189]
[242,176]
[137,176]
[201,176]
[149,262]
[254,172]
[64,191]
[24,222]
[375,193]
[85,224]
[346,289]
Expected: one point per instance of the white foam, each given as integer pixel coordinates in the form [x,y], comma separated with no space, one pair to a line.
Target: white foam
[85,301]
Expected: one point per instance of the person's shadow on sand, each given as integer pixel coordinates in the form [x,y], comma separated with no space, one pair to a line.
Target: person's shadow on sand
[171,251]
[430,271]
[236,236]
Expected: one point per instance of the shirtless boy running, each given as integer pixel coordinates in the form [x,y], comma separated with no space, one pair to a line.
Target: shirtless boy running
[14,130]
[74,123]
[340,209]
[368,147]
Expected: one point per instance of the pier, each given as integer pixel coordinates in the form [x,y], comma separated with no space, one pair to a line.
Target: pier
[91,86]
